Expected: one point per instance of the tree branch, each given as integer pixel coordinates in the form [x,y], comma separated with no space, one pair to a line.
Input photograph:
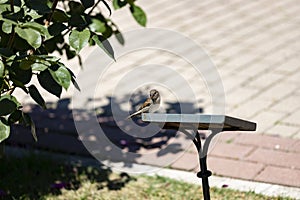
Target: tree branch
[12,6]
[52,12]
[12,36]
[11,90]
[95,5]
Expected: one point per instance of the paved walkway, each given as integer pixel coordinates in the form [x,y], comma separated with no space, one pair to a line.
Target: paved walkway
[254,45]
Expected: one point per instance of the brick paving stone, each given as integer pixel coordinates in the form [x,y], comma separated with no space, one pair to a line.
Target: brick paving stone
[279,175]
[192,149]
[226,136]
[188,161]
[276,158]
[295,147]
[230,83]
[282,130]
[240,95]
[277,91]
[180,138]
[255,68]
[250,108]
[266,119]
[233,168]
[287,105]
[232,150]
[294,118]
[161,158]
[269,79]
[264,141]
[297,135]
[294,78]
[175,148]
[290,66]
[49,141]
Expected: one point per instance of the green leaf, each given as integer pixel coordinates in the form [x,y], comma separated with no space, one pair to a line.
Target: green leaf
[7,105]
[53,43]
[27,121]
[16,73]
[17,15]
[119,37]
[76,8]
[117,4]
[3,1]
[78,40]
[138,14]
[97,26]
[8,20]
[33,14]
[41,62]
[108,32]
[60,16]
[56,28]
[104,44]
[4,7]
[6,52]
[2,68]
[14,117]
[38,67]
[32,36]
[45,59]
[7,27]
[33,130]
[19,84]
[38,27]
[87,3]
[36,96]
[70,53]
[77,21]
[48,83]
[26,64]
[4,131]
[74,80]
[38,5]
[62,76]
[12,98]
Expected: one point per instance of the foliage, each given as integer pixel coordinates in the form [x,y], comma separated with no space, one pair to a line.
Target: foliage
[31,30]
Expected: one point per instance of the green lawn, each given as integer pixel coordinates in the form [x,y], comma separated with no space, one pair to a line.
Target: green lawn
[35,177]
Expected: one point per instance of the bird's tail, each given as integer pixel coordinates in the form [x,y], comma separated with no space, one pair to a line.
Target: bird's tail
[138,112]
[134,114]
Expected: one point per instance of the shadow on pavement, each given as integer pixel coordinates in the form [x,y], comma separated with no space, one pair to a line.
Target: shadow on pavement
[57,132]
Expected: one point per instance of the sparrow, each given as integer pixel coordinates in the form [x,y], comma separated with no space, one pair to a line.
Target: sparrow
[150,105]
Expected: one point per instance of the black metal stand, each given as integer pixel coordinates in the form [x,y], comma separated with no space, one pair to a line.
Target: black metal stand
[195,122]
[204,173]
[202,153]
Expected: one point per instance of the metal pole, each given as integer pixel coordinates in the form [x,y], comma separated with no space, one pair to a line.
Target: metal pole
[204,174]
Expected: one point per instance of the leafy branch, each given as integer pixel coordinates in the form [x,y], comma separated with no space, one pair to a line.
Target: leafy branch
[31,30]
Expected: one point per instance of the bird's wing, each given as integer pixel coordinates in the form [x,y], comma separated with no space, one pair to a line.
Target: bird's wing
[147,103]
[144,108]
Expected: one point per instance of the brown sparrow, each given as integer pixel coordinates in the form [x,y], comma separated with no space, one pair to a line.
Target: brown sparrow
[150,105]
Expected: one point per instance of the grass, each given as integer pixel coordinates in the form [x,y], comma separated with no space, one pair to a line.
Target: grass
[36,177]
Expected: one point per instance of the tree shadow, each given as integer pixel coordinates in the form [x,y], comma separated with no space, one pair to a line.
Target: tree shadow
[34,176]
[118,140]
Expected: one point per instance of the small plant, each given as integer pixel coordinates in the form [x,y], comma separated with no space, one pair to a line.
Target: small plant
[31,30]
